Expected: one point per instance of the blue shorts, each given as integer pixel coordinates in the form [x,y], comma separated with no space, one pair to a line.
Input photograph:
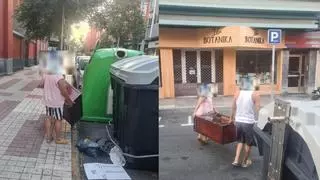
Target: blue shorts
[245,133]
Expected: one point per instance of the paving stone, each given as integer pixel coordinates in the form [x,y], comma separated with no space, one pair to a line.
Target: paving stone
[49,166]
[41,160]
[57,178]
[57,173]
[29,72]
[46,177]
[21,163]
[5,157]
[27,170]
[37,171]
[26,176]
[33,96]
[9,83]
[5,94]
[18,169]
[11,175]
[30,164]
[6,108]
[12,163]
[36,177]
[32,159]
[47,172]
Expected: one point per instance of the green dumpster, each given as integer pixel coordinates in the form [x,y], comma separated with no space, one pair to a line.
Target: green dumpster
[96,92]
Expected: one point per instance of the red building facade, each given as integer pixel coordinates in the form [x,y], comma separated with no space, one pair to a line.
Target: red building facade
[15,51]
[91,39]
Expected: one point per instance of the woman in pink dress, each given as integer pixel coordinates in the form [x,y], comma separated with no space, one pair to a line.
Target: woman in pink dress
[55,95]
[204,106]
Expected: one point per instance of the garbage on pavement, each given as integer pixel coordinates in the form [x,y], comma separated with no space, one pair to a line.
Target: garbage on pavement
[105,171]
[117,157]
[89,147]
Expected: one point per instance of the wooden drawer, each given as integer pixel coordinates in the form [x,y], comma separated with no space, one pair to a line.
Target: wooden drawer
[215,128]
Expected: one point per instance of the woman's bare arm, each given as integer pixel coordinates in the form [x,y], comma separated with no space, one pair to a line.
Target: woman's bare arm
[234,105]
[63,86]
[256,101]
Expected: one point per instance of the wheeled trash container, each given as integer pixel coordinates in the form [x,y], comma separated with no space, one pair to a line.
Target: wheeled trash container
[134,82]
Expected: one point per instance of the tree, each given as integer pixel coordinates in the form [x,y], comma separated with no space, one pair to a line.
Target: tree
[122,22]
[77,36]
[43,18]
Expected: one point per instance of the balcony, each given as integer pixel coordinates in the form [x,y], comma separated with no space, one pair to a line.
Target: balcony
[17,28]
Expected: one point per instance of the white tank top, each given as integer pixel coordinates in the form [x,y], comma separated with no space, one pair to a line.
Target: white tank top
[245,108]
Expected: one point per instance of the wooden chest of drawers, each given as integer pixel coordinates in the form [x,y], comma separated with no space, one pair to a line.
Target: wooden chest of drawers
[216,128]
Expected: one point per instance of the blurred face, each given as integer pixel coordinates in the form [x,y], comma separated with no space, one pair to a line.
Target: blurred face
[54,63]
[204,90]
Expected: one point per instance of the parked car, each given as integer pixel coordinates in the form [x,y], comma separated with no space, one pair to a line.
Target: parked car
[81,63]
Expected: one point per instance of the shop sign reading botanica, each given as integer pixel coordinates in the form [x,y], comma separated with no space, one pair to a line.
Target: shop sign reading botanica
[255,39]
[216,38]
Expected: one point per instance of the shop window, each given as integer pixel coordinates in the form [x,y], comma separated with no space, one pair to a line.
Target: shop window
[255,64]
[177,67]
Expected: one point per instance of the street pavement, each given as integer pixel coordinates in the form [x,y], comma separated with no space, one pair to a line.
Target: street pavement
[182,156]
[23,152]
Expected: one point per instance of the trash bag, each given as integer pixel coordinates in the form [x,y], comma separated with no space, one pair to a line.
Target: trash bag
[117,157]
[89,147]
[105,145]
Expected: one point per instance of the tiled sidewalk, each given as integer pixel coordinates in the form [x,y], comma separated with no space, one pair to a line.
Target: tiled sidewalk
[23,152]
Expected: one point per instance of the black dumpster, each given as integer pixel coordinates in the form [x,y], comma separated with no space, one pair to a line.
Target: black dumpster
[135,83]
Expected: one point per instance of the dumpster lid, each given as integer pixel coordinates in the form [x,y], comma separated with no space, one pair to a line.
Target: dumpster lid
[139,70]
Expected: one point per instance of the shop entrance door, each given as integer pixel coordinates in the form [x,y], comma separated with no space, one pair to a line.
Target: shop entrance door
[296,74]
[191,67]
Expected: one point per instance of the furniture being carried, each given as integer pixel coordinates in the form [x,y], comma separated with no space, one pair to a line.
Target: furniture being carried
[215,126]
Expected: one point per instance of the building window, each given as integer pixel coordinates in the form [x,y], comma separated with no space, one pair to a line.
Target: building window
[255,64]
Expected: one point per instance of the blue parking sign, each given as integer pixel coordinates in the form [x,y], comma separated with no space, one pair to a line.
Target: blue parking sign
[274,36]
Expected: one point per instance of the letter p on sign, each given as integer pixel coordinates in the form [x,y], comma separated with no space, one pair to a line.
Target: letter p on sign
[274,36]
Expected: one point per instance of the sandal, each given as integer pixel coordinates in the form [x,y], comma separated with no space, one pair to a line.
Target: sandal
[202,140]
[237,164]
[247,163]
[62,141]
[49,139]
